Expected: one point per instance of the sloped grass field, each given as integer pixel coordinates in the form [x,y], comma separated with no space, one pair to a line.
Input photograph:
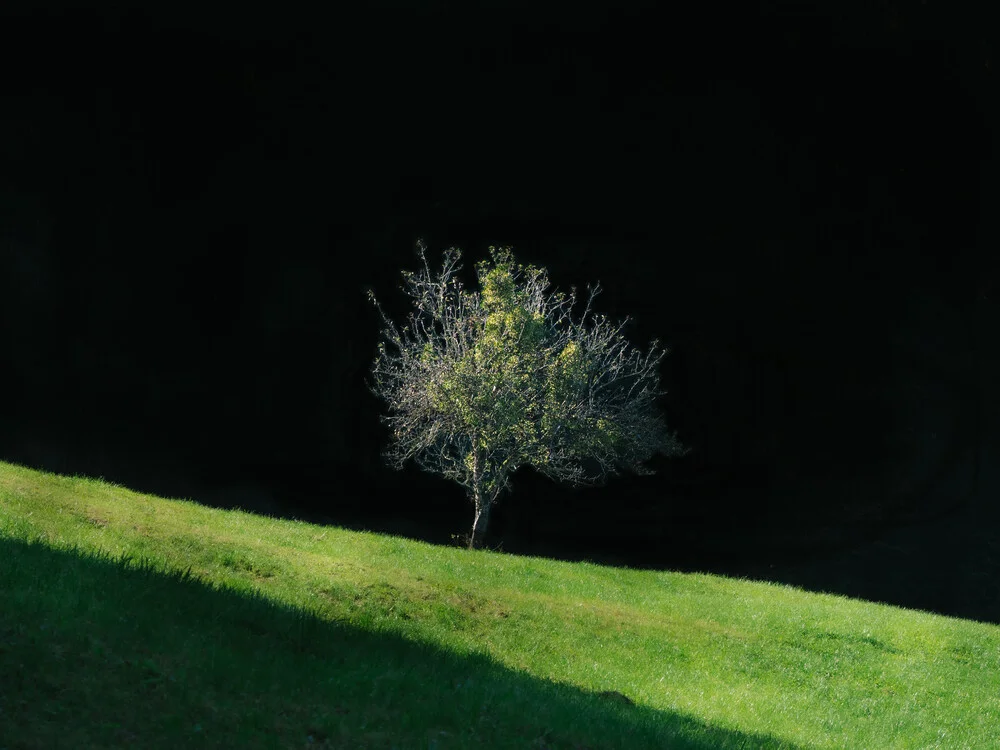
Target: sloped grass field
[128,620]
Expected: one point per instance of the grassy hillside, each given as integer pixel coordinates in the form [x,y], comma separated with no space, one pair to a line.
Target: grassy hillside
[128,620]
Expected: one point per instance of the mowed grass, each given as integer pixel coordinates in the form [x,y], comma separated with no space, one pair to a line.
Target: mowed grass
[128,620]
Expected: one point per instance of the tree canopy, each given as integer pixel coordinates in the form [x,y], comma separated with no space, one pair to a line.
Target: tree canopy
[480,384]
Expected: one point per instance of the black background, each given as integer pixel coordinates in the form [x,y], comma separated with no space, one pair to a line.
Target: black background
[796,198]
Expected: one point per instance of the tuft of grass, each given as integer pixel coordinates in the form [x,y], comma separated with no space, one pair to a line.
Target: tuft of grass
[131,620]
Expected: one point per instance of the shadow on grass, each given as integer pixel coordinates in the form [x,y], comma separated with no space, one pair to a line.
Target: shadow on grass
[98,652]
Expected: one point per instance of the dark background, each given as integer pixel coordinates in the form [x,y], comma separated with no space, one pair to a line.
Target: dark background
[797,198]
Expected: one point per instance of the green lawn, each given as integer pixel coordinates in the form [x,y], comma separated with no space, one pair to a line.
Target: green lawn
[128,620]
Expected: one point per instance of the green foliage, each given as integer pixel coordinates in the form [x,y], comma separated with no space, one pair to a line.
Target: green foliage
[484,383]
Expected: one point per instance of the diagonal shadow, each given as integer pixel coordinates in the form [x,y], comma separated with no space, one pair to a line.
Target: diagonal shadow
[98,652]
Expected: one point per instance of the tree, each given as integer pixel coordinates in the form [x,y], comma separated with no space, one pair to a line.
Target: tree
[480,384]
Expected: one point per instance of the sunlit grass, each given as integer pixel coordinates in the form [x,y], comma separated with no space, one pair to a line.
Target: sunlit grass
[237,630]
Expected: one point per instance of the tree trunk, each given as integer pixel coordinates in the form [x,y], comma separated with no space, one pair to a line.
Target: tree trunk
[481,520]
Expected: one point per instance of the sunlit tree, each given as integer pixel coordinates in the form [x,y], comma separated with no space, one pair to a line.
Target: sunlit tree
[479,384]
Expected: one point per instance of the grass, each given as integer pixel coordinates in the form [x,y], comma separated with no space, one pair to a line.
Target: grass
[128,620]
